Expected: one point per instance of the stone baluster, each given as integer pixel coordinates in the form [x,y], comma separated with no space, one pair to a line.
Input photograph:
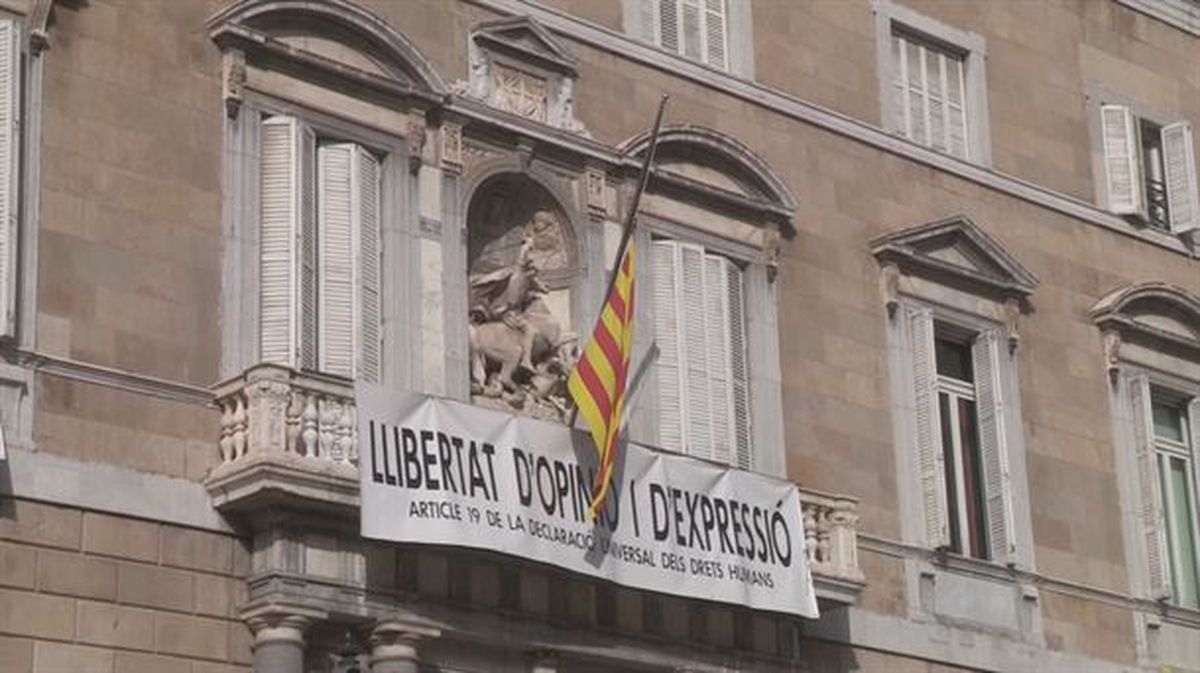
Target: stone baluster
[226,441]
[810,531]
[823,535]
[328,428]
[308,421]
[238,433]
[294,410]
[346,432]
[266,402]
[394,645]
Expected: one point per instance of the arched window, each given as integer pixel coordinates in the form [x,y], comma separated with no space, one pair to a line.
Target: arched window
[710,228]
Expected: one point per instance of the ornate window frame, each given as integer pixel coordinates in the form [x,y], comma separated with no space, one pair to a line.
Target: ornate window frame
[951,272]
[1151,339]
[743,220]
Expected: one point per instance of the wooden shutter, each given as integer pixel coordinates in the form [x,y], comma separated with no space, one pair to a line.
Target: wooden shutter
[1121,160]
[307,155]
[666,338]
[287,249]
[986,355]
[739,366]
[335,255]
[1179,162]
[716,34]
[691,16]
[693,355]
[930,457]
[1151,510]
[370,318]
[10,177]
[720,384]
[668,24]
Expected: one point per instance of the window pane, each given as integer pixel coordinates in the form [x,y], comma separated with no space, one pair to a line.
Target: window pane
[1168,421]
[954,360]
[951,481]
[972,479]
[1181,535]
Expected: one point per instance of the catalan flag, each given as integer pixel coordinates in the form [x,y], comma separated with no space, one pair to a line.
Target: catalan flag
[597,383]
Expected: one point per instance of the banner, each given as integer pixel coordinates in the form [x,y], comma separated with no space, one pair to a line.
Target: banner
[440,472]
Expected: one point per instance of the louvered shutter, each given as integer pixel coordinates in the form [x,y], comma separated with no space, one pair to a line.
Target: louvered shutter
[739,368]
[279,249]
[666,338]
[720,388]
[930,457]
[715,33]
[307,153]
[335,255]
[1122,169]
[10,161]
[693,355]
[1151,515]
[368,322]
[987,358]
[691,16]
[668,24]
[1179,162]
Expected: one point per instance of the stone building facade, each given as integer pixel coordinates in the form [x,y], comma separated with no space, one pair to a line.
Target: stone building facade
[958,246]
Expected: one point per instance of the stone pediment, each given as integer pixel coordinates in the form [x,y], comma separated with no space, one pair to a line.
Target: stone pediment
[516,66]
[959,249]
[522,36]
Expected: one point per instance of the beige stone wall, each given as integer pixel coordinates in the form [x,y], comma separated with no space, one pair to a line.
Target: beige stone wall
[84,591]
[131,198]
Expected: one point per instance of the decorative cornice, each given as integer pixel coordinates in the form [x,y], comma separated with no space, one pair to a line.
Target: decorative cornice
[114,378]
[907,249]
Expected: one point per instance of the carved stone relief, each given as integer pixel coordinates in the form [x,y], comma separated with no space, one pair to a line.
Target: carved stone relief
[519,277]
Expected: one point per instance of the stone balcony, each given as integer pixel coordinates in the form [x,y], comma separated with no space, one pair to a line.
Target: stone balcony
[288,441]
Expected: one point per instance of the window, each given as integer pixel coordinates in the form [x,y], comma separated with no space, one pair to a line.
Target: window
[715,33]
[1149,169]
[319,252]
[694,29]
[960,436]
[1166,439]
[928,94]
[932,82]
[699,328]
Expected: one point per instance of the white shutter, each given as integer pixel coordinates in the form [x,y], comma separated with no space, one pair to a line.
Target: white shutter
[368,321]
[738,361]
[1151,514]
[335,254]
[1121,160]
[279,227]
[307,153]
[715,33]
[690,17]
[930,456]
[668,24]
[720,389]
[993,450]
[1179,162]
[666,338]
[693,354]
[10,161]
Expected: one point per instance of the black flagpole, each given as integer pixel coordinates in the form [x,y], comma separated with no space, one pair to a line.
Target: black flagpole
[631,217]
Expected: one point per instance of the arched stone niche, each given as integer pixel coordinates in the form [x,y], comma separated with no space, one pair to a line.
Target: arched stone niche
[522,271]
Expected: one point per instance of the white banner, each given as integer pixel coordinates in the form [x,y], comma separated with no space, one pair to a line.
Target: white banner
[441,472]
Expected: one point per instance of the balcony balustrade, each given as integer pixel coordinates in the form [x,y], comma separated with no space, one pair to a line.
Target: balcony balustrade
[288,438]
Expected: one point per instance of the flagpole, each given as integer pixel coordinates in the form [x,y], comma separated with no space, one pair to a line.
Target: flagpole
[631,216]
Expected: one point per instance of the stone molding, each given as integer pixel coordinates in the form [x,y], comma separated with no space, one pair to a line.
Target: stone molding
[1117,316]
[279,622]
[396,639]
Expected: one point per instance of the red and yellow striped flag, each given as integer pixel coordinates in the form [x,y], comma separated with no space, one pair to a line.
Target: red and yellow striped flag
[597,382]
